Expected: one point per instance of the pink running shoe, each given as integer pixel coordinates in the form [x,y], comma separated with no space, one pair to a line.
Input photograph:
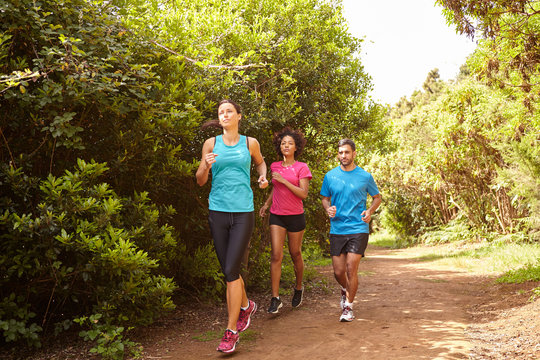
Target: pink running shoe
[244,319]
[228,342]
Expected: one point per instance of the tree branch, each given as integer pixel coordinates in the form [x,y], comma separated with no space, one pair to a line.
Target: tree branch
[232,67]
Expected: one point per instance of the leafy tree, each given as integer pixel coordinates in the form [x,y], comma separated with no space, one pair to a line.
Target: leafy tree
[459,157]
[508,55]
[285,62]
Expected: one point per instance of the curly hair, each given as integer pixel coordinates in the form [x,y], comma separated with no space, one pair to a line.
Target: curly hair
[298,137]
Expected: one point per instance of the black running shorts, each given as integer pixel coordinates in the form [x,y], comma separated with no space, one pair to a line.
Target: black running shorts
[293,223]
[350,243]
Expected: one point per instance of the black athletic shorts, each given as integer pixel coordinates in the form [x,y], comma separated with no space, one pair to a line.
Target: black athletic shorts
[293,223]
[350,243]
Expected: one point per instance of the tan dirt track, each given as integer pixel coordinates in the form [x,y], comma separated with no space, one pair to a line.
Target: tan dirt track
[405,309]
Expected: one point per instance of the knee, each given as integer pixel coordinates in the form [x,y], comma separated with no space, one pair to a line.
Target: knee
[296,255]
[352,272]
[276,257]
[339,272]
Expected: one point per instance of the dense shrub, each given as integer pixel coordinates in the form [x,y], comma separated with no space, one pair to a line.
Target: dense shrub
[74,247]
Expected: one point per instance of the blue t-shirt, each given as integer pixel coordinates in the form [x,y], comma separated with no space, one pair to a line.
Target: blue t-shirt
[231,190]
[348,192]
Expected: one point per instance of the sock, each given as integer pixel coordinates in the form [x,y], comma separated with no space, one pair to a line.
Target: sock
[343,289]
[245,308]
[347,303]
[233,331]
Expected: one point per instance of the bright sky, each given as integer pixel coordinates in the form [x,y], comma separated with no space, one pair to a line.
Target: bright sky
[404,40]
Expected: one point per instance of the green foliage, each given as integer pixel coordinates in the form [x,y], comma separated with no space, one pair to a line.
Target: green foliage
[80,248]
[15,321]
[488,256]
[531,272]
[457,230]
[387,240]
[128,83]
[508,53]
[110,343]
[466,153]
[199,274]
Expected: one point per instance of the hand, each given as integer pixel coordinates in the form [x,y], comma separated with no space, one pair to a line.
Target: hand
[331,210]
[263,183]
[366,216]
[262,210]
[278,177]
[209,159]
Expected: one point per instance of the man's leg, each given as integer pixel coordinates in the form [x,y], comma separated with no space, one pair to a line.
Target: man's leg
[339,263]
[352,263]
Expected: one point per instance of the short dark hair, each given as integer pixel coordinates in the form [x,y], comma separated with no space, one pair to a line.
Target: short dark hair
[298,137]
[349,142]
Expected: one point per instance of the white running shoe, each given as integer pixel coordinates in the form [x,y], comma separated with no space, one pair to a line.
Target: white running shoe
[343,299]
[347,315]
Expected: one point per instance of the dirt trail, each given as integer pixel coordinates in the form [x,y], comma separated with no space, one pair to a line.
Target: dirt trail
[405,309]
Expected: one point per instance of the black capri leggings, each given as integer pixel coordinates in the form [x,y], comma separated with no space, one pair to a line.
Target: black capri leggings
[231,233]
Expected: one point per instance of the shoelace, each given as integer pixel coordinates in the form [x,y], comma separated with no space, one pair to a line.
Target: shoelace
[228,336]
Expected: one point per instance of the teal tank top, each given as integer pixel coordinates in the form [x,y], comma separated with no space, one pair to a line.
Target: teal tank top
[231,190]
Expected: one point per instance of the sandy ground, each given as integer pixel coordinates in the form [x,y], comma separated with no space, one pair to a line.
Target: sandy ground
[405,309]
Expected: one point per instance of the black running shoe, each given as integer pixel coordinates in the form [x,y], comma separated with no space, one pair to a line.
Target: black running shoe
[297,297]
[275,304]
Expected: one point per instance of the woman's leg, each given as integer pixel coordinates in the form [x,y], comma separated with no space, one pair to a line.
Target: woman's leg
[239,235]
[235,297]
[277,234]
[295,249]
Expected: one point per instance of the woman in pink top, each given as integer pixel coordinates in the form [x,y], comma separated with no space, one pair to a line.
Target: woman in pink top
[290,179]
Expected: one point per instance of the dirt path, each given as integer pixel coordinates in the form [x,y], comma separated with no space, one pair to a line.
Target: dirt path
[405,309]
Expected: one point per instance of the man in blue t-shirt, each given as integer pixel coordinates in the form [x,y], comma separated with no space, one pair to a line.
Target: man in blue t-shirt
[344,190]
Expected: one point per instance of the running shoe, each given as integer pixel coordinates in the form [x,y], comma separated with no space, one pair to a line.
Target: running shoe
[244,319]
[343,299]
[275,304]
[297,297]
[228,342]
[347,315]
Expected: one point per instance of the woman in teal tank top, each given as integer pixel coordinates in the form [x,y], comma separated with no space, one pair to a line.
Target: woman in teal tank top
[231,212]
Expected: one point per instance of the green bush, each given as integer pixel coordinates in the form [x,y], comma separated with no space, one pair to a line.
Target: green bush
[110,343]
[73,248]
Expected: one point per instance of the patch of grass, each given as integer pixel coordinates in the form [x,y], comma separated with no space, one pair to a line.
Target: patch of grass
[366,273]
[528,273]
[485,257]
[536,294]
[215,335]
[209,335]
[385,240]
[248,336]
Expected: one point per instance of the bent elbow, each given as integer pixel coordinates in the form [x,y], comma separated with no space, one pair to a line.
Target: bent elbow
[200,180]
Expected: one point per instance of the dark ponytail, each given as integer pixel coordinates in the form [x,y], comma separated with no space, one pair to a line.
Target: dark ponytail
[215,123]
